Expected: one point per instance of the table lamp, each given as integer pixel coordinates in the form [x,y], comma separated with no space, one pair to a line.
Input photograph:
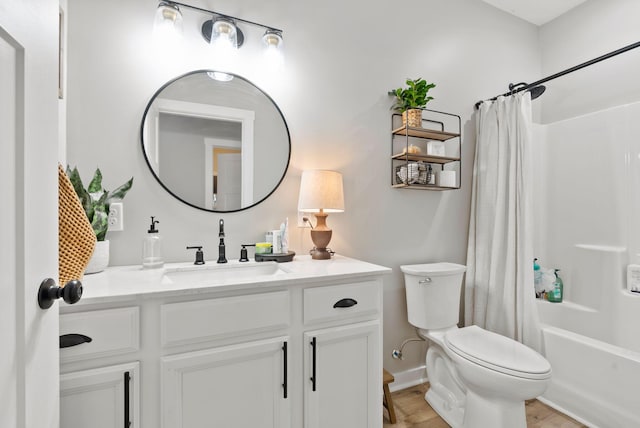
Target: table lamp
[321,193]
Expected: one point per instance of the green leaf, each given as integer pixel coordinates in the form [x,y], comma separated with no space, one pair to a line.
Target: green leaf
[75,179]
[83,195]
[121,191]
[95,200]
[96,183]
[413,96]
[100,222]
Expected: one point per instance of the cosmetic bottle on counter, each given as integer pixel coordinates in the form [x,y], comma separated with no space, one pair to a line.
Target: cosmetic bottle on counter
[152,247]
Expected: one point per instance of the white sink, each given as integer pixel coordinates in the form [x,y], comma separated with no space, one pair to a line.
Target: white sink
[215,274]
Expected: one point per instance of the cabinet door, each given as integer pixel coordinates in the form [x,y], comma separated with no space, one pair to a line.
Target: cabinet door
[243,386]
[101,398]
[343,377]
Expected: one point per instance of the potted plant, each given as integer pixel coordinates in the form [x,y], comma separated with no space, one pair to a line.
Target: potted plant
[410,101]
[96,201]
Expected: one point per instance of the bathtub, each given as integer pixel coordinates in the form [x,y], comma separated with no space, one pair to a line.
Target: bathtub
[592,340]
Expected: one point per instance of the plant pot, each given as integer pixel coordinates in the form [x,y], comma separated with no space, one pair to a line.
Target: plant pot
[100,258]
[412,118]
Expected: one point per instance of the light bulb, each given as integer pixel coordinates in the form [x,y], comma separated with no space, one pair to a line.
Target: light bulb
[224,34]
[274,60]
[168,21]
[272,39]
[220,76]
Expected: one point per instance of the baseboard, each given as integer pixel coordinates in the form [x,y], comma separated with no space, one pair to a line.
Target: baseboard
[408,378]
[565,411]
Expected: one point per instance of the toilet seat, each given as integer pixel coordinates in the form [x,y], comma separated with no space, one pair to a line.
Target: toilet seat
[497,352]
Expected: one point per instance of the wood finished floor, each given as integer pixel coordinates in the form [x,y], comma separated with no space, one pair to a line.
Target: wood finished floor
[412,411]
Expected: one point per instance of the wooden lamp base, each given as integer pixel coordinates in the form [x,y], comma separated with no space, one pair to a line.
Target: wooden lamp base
[321,236]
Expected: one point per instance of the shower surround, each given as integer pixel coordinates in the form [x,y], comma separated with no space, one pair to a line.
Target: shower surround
[587,202]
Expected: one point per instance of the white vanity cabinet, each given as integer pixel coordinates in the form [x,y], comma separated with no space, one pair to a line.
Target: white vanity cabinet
[343,363]
[240,377]
[100,398]
[299,352]
[233,386]
[344,377]
[106,396]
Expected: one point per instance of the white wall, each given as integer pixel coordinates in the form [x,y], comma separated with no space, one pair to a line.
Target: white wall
[594,200]
[590,166]
[594,28]
[341,59]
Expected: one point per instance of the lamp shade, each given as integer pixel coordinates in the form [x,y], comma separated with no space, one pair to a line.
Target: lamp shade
[321,190]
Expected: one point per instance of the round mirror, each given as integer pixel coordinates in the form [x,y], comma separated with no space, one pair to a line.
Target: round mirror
[215,141]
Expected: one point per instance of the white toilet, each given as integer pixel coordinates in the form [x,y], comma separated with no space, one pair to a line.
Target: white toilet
[478,379]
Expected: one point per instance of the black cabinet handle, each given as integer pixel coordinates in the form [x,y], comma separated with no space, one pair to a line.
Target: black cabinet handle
[285,382]
[127,380]
[345,303]
[69,340]
[313,365]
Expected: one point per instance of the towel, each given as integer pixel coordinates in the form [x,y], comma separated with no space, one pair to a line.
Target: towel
[76,238]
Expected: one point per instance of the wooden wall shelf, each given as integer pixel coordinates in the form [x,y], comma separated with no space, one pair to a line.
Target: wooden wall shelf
[425,158]
[420,164]
[430,134]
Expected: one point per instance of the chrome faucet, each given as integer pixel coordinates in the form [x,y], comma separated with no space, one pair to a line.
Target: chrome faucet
[221,256]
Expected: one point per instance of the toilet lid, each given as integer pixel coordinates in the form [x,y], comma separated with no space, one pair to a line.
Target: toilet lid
[497,352]
[433,269]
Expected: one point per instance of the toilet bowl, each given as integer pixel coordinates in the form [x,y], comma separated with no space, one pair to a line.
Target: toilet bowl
[477,378]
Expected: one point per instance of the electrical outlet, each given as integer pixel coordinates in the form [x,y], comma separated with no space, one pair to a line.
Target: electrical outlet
[301,222]
[116,217]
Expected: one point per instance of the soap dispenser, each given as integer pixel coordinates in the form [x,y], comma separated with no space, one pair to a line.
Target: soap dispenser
[152,248]
[558,289]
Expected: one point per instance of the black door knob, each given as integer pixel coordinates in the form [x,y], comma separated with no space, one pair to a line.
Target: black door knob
[49,292]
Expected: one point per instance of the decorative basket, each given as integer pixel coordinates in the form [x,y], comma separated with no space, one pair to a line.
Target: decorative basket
[412,118]
[76,238]
[413,173]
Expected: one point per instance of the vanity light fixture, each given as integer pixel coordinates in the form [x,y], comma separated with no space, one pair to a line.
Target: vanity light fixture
[274,60]
[224,31]
[272,39]
[168,19]
[221,29]
[321,193]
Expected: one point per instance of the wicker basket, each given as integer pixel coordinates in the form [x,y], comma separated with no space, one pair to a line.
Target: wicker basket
[414,173]
[76,238]
[412,118]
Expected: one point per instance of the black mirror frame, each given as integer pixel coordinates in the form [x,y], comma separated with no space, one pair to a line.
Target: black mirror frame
[235,76]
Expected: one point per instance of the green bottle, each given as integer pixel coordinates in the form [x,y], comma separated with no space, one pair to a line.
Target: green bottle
[556,295]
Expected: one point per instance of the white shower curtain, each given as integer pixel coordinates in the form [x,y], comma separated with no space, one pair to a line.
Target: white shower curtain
[499,291]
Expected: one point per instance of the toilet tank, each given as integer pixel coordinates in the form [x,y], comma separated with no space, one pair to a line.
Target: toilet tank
[433,294]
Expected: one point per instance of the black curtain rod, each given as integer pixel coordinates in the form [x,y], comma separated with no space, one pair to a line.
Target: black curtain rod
[567,71]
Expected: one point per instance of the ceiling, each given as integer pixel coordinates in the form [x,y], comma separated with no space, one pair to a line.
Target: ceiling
[537,12]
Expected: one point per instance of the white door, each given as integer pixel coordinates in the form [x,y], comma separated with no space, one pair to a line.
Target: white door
[100,398]
[28,220]
[343,377]
[229,194]
[237,386]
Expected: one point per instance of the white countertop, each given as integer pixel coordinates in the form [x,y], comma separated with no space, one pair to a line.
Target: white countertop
[125,282]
